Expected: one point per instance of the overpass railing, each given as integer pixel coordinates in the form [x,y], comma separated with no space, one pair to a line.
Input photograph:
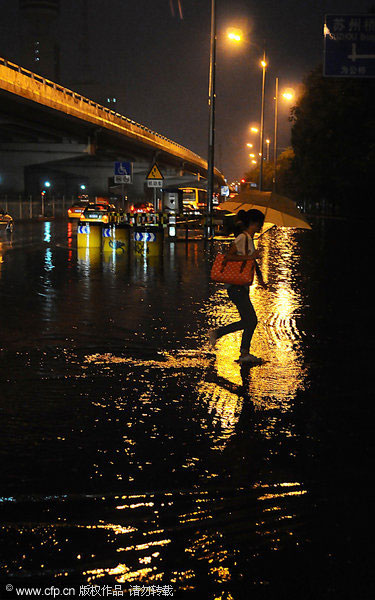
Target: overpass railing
[21,81]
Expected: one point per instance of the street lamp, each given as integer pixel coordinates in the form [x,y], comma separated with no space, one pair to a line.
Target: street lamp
[287,95]
[268,150]
[235,35]
[263,63]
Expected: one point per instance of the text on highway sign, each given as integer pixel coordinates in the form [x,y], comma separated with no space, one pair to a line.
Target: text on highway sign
[349,45]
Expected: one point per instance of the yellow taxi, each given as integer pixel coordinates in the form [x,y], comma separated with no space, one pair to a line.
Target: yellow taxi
[97,213]
[75,211]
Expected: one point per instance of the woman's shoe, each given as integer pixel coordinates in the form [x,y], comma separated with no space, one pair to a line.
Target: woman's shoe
[249,358]
[212,337]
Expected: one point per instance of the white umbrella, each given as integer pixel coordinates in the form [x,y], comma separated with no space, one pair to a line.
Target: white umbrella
[278,210]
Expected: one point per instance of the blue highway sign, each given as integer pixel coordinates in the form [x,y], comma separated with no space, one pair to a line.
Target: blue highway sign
[349,45]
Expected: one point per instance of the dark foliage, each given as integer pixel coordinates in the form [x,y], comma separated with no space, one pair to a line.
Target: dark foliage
[333,138]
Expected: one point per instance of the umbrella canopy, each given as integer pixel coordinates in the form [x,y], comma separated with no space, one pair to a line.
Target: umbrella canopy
[277,210]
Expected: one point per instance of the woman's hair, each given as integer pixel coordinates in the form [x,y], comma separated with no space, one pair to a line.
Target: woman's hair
[245,218]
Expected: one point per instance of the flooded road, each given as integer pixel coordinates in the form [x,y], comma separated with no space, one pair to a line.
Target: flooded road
[131,454]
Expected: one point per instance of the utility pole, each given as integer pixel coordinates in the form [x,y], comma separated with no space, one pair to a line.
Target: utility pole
[264,66]
[275,134]
[211,131]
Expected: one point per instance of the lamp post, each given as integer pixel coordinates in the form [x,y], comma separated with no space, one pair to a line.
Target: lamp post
[288,95]
[268,150]
[264,67]
[275,134]
[211,128]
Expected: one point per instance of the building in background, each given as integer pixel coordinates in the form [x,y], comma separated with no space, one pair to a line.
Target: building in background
[39,46]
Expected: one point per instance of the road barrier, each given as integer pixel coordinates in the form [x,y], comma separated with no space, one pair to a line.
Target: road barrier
[115,238]
[148,241]
[89,235]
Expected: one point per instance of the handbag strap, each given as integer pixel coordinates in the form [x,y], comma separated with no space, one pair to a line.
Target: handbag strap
[225,259]
[246,244]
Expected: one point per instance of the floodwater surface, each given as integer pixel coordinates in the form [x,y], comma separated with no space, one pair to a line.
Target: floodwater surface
[133,454]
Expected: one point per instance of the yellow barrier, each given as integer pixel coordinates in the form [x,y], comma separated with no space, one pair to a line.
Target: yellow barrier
[148,241]
[89,236]
[115,239]
[89,256]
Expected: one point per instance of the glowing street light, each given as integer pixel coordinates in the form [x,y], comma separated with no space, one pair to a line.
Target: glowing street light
[268,149]
[288,95]
[235,35]
[250,145]
[254,129]
[264,67]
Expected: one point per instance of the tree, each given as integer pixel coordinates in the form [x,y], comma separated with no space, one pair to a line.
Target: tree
[284,176]
[333,138]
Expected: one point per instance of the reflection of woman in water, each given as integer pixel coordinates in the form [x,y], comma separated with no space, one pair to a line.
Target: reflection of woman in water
[249,223]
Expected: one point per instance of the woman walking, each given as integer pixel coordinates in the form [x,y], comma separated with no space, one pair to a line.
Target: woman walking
[250,222]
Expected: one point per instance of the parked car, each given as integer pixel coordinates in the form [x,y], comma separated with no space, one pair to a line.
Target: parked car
[75,211]
[141,207]
[6,221]
[97,213]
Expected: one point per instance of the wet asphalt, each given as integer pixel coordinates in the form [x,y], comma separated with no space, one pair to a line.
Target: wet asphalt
[133,454]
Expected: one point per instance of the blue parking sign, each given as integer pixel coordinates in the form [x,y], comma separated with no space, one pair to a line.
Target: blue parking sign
[123,168]
[349,45]
[123,172]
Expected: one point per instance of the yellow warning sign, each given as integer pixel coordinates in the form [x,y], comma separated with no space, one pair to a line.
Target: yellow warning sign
[155,173]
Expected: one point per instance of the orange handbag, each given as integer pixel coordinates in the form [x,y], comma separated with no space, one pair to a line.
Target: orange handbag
[233,272]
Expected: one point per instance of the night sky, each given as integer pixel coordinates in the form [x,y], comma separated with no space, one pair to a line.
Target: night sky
[156,63]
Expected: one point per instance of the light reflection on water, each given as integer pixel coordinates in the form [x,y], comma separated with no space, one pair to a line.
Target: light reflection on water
[171,419]
[277,339]
[152,537]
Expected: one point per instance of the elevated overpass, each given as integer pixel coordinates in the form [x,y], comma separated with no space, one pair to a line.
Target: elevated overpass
[45,128]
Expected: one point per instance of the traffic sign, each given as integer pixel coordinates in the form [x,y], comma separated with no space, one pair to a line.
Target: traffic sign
[144,236]
[349,45]
[123,172]
[85,229]
[155,183]
[154,173]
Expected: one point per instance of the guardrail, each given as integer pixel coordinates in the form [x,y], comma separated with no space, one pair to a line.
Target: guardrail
[31,207]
